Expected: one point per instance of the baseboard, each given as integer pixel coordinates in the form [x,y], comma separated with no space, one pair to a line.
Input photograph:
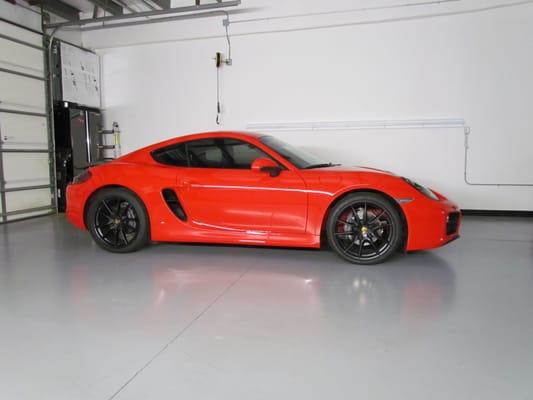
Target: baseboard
[499,213]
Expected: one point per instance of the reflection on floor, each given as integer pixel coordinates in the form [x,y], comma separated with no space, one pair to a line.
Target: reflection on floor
[222,322]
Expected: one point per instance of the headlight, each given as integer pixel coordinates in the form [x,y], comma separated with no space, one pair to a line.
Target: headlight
[83,177]
[422,189]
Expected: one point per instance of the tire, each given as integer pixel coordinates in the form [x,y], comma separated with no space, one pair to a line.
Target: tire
[118,221]
[364,228]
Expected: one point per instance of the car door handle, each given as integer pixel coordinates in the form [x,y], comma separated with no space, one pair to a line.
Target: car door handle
[185,183]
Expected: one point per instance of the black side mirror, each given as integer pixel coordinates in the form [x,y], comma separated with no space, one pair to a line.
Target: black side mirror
[272,171]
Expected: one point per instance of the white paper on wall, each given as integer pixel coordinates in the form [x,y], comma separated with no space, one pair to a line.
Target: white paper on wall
[80,76]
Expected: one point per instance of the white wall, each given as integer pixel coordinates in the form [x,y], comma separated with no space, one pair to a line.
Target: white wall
[470,59]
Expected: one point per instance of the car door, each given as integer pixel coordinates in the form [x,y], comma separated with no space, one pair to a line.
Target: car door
[219,191]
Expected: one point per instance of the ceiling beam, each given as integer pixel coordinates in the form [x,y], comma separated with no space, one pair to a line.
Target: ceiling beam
[149,5]
[58,8]
[108,6]
[126,6]
[164,4]
[153,13]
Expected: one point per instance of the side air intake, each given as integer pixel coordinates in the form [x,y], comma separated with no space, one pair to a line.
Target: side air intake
[174,204]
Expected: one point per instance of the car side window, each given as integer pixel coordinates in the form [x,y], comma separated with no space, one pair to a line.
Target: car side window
[205,153]
[210,153]
[242,154]
[173,155]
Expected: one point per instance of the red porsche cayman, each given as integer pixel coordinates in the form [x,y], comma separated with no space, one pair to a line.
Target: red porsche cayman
[253,189]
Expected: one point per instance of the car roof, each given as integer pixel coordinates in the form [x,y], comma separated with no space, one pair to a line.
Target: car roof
[178,139]
[223,133]
[207,135]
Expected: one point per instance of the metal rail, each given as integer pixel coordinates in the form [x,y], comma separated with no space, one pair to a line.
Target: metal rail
[7,21]
[4,150]
[11,71]
[22,188]
[48,67]
[2,183]
[12,39]
[33,114]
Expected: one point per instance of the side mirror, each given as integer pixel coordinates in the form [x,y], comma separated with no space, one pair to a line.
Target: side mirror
[264,164]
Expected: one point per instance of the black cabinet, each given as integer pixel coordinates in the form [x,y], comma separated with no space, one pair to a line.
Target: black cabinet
[78,143]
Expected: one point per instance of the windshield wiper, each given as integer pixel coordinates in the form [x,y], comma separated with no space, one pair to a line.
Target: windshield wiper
[323,165]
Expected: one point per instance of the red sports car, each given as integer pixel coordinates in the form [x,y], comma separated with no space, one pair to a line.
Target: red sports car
[253,189]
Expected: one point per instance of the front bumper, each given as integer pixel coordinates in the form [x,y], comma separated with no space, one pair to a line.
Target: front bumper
[76,198]
[431,223]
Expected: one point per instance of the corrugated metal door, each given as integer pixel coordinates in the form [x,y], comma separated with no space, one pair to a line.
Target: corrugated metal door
[26,152]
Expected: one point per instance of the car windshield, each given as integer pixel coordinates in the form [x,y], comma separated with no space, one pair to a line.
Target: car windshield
[298,157]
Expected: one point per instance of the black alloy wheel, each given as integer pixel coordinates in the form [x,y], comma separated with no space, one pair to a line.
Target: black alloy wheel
[117,220]
[364,228]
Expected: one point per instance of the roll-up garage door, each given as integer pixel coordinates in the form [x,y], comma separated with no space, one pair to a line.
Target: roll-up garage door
[25,148]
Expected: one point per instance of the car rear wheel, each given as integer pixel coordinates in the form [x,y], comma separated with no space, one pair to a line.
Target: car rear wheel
[364,228]
[118,221]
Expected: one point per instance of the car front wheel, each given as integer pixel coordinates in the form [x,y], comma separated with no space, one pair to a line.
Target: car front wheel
[364,228]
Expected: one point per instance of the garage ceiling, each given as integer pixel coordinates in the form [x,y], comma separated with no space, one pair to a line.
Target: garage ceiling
[58,13]
[70,11]
[110,7]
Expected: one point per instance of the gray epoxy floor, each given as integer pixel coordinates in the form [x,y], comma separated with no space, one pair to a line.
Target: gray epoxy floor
[221,322]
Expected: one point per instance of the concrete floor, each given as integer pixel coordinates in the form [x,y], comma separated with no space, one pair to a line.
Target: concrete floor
[220,322]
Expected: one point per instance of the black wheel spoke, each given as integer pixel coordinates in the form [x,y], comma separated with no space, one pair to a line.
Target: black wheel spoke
[118,202]
[105,224]
[360,252]
[346,222]
[349,247]
[108,231]
[373,246]
[123,210]
[375,234]
[345,233]
[365,215]
[115,238]
[109,211]
[355,216]
[376,218]
[380,225]
[123,235]
[129,229]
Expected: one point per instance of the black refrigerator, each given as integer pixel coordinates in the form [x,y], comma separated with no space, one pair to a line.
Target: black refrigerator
[78,143]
